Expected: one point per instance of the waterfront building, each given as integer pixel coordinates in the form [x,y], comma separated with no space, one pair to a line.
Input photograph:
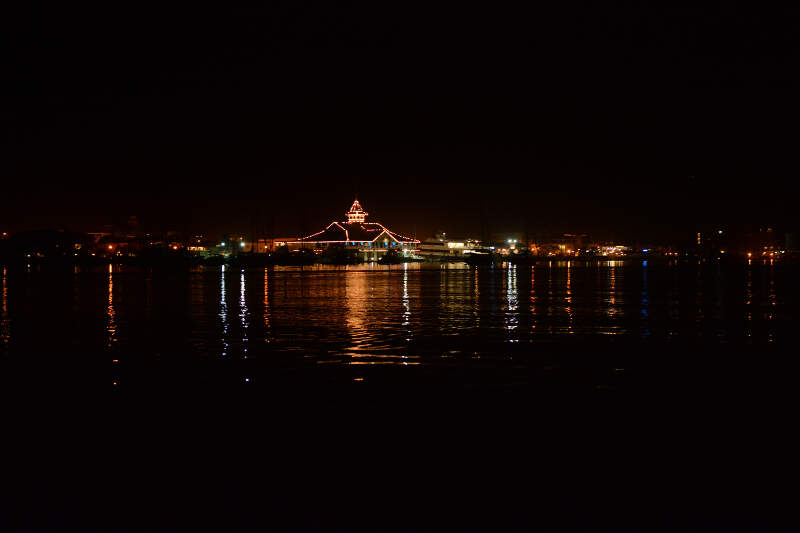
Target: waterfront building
[370,240]
[442,248]
[564,244]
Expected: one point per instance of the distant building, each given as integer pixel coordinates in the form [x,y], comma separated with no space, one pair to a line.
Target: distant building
[47,244]
[564,244]
[442,248]
[369,239]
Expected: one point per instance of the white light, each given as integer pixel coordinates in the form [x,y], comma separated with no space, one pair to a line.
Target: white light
[222,244]
[242,244]
[720,232]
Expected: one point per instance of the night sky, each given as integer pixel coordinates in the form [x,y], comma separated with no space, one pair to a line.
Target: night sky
[621,119]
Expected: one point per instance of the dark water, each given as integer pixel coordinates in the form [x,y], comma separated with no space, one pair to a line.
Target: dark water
[621,396]
[218,323]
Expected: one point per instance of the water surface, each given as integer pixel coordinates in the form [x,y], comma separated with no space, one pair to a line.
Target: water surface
[429,315]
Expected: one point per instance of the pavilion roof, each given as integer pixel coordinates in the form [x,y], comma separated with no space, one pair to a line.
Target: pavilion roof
[355,232]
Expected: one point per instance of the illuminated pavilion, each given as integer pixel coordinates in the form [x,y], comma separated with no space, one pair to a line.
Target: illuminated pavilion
[371,238]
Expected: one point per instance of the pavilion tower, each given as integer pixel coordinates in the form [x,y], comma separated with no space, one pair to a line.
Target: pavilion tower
[356,213]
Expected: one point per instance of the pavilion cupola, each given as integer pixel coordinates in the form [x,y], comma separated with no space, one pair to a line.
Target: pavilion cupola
[356,213]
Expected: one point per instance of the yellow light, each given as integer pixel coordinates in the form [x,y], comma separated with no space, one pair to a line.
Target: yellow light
[749,254]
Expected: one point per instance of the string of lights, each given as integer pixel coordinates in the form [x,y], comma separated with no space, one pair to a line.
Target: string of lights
[356,223]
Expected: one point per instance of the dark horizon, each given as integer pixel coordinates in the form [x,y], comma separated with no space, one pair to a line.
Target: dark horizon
[635,123]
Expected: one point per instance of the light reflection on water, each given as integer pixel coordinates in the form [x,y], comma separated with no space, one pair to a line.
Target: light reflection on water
[356,300]
[404,314]
[748,300]
[771,303]
[243,316]
[532,310]
[512,298]
[406,305]
[111,328]
[645,302]
[4,321]
[568,299]
[267,317]
[223,312]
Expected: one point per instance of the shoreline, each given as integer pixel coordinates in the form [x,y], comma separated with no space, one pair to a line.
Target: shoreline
[184,262]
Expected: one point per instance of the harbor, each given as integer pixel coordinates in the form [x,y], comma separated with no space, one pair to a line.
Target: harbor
[358,239]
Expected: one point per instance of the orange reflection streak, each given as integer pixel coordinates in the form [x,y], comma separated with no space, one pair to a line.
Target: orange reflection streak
[568,300]
[267,311]
[549,298]
[367,346]
[772,302]
[612,289]
[612,310]
[111,327]
[645,311]
[356,293]
[748,302]
[533,299]
[455,311]
[476,297]
[4,321]
[443,316]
